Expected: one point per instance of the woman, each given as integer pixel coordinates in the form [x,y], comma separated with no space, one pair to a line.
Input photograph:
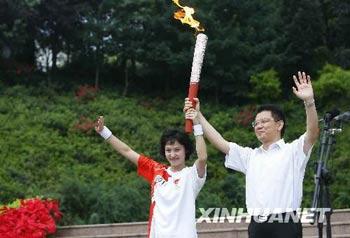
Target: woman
[174,187]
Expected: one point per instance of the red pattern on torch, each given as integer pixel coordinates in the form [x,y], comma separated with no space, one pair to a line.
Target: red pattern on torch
[192,93]
[199,51]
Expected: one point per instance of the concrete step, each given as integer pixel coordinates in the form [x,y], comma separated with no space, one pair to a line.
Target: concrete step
[341,215]
[99,229]
[334,236]
[340,227]
[111,236]
[337,228]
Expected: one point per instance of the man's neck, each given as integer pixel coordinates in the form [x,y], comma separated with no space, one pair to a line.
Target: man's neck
[266,145]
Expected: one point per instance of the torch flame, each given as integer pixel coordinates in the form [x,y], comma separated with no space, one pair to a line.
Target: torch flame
[185,16]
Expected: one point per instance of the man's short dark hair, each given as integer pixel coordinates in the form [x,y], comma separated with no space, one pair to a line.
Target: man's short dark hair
[276,112]
[170,136]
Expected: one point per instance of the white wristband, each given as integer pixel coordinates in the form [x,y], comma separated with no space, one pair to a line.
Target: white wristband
[197,130]
[309,103]
[105,133]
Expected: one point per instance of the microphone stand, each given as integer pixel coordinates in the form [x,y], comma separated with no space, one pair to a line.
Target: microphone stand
[321,197]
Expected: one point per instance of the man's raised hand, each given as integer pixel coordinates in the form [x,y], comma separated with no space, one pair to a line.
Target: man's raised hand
[303,88]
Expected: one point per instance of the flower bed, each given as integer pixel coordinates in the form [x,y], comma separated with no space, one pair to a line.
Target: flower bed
[29,218]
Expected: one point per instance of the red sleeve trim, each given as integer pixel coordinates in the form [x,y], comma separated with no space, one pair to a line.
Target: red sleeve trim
[146,167]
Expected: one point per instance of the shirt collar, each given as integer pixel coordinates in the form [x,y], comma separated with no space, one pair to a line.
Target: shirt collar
[278,144]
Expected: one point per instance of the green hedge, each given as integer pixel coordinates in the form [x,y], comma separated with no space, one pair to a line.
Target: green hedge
[49,148]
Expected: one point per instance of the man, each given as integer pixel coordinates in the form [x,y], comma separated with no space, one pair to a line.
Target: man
[275,170]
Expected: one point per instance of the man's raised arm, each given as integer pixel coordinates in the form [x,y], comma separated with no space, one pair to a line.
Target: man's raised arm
[303,90]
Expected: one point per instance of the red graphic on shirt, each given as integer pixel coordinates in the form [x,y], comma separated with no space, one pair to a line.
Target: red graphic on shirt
[154,173]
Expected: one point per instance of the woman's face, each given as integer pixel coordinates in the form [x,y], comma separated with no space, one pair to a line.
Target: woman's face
[175,153]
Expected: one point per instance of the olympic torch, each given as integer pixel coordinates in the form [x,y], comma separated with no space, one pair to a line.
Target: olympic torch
[199,51]
[184,14]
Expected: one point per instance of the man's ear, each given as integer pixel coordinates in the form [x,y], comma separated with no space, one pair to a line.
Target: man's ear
[281,124]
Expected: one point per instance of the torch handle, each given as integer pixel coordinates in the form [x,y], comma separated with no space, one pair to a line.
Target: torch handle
[192,93]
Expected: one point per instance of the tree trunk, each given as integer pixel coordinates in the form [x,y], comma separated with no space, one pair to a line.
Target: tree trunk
[216,93]
[69,52]
[327,38]
[48,68]
[97,70]
[97,76]
[126,78]
[167,81]
[54,58]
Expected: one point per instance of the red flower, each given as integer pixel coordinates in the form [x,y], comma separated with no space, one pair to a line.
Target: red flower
[34,218]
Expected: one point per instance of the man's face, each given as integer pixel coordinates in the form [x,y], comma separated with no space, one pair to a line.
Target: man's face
[266,128]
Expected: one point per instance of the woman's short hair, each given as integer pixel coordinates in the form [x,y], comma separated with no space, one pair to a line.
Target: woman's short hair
[170,136]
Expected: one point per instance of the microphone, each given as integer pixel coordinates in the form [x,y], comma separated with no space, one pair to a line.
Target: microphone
[343,117]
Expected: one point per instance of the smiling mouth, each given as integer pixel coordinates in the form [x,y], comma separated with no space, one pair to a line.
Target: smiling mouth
[260,134]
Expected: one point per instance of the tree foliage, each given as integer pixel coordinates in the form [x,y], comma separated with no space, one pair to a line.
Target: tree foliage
[263,84]
[137,47]
[130,61]
[48,149]
[333,81]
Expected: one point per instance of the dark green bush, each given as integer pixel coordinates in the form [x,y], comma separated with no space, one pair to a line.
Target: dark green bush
[43,153]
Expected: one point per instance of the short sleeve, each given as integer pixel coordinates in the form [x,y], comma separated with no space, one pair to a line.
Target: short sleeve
[146,168]
[238,157]
[298,151]
[197,181]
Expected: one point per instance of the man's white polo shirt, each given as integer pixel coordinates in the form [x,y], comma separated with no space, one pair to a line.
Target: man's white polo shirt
[274,177]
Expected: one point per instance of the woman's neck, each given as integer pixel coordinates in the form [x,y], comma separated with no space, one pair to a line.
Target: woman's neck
[177,168]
